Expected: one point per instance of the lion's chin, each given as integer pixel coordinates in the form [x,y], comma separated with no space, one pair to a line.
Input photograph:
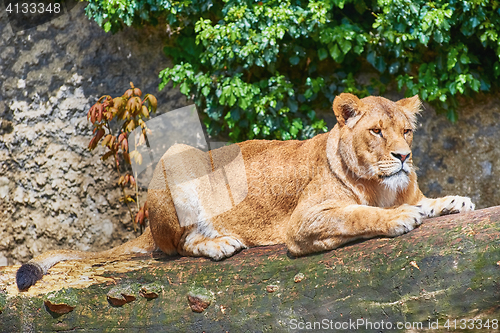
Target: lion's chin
[396,182]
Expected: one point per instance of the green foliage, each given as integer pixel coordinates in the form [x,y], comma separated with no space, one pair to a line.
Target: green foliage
[259,69]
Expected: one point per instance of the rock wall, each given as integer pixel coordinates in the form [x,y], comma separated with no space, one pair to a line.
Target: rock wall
[54,193]
[461,158]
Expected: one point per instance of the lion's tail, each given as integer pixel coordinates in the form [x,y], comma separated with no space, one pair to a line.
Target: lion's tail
[28,274]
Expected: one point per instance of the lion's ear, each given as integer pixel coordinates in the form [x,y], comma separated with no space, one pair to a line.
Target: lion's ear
[411,104]
[346,106]
[411,107]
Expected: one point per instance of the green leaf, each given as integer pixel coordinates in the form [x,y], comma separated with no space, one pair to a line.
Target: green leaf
[358,49]
[345,45]
[380,64]
[297,123]
[322,54]
[452,59]
[394,67]
[294,60]
[452,87]
[255,129]
[335,52]
[107,26]
[308,93]
[438,36]
[371,58]
[232,99]
[205,91]
[452,115]
[184,88]
[464,58]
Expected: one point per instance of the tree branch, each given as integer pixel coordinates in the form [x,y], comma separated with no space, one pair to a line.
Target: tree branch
[446,269]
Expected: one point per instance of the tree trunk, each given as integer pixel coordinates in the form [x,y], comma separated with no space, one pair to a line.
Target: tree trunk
[443,275]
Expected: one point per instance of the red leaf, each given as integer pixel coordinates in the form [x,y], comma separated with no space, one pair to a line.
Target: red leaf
[99,112]
[128,93]
[108,102]
[125,145]
[139,218]
[144,111]
[89,113]
[107,155]
[112,142]
[126,157]
[122,137]
[106,140]
[91,143]
[92,114]
[153,102]
[131,125]
[126,115]
[99,135]
[118,102]
[108,115]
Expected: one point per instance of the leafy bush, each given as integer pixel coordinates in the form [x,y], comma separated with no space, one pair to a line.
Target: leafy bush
[259,69]
[129,112]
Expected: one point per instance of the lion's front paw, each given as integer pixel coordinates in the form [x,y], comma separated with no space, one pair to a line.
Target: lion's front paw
[446,205]
[407,218]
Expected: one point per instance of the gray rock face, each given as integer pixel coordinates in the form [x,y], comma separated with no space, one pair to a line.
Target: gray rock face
[54,193]
[461,158]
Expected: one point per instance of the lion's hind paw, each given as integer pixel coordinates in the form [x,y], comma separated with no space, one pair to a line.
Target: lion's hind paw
[215,248]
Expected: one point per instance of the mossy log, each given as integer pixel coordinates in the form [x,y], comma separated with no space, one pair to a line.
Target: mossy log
[444,272]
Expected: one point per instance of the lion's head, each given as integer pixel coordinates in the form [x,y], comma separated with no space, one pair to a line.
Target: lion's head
[376,136]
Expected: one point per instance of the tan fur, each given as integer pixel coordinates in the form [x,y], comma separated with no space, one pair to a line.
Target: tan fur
[312,195]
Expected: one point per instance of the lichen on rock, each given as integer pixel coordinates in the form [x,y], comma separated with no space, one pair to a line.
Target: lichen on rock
[123,294]
[61,301]
[199,299]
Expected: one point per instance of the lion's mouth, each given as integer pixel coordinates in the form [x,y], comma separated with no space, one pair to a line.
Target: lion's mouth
[397,173]
[396,181]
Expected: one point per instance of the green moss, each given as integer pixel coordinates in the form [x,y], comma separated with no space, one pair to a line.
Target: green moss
[201,293]
[153,287]
[3,301]
[64,296]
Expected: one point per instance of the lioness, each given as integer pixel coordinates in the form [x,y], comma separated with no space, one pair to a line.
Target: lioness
[359,183]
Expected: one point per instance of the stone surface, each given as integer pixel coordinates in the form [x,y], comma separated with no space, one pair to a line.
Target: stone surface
[54,193]
[461,158]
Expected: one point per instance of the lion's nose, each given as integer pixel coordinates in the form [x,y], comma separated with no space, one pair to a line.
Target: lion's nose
[401,157]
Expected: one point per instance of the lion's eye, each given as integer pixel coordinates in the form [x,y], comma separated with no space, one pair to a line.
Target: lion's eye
[376,131]
[406,131]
